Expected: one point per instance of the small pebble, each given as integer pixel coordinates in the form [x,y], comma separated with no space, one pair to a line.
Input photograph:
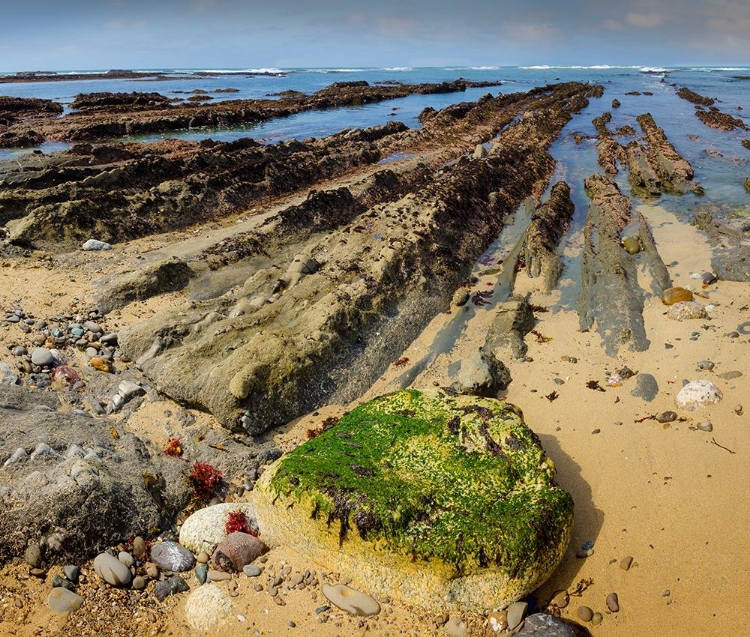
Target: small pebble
[706,426]
[596,619]
[560,599]
[613,603]
[666,416]
[666,593]
[738,410]
[291,624]
[626,562]
[251,570]
[585,613]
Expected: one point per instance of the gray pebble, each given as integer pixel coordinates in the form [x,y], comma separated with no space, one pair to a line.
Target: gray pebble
[666,416]
[139,583]
[71,572]
[251,570]
[42,357]
[33,555]
[613,602]
[706,426]
[170,586]
[585,613]
[126,558]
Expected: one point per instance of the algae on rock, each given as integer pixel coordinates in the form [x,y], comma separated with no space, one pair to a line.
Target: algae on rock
[437,499]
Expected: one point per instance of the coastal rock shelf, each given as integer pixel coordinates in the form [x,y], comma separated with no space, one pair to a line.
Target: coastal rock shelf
[107,115]
[278,343]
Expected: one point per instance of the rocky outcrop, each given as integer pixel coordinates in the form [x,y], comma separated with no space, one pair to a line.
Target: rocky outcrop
[274,347]
[108,115]
[382,498]
[611,299]
[124,101]
[611,153]
[694,98]
[123,192]
[513,321]
[674,172]
[74,488]
[14,109]
[721,121]
[548,226]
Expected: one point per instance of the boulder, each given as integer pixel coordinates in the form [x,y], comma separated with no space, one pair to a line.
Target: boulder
[205,528]
[438,500]
[514,319]
[236,551]
[481,374]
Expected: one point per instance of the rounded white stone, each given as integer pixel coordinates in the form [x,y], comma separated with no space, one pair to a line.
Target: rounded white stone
[204,529]
[697,394]
[208,607]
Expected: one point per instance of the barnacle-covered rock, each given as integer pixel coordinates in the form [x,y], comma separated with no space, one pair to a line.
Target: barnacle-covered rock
[436,499]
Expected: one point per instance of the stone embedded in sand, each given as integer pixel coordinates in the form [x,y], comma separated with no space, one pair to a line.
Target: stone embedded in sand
[585,613]
[350,600]
[670,296]
[697,394]
[541,625]
[481,374]
[613,602]
[205,528]
[646,387]
[208,607]
[61,600]
[426,497]
[685,310]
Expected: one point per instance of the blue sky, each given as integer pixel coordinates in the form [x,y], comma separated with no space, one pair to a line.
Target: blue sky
[103,34]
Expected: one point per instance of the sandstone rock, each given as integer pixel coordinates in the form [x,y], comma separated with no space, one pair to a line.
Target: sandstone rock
[205,528]
[104,504]
[208,607]
[117,290]
[697,394]
[237,550]
[514,319]
[389,516]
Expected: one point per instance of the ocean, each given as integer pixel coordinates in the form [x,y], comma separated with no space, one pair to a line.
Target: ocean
[719,160]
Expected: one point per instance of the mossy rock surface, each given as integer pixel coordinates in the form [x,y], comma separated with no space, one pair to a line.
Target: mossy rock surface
[433,498]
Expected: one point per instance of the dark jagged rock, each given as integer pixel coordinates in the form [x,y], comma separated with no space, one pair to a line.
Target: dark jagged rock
[609,150]
[548,226]
[111,115]
[616,103]
[278,345]
[169,185]
[675,173]
[694,98]
[721,121]
[643,179]
[611,299]
[100,101]
[13,109]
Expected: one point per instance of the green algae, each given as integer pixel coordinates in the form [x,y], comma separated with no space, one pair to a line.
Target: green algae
[455,478]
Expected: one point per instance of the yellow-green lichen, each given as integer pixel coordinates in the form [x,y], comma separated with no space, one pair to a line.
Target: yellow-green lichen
[435,476]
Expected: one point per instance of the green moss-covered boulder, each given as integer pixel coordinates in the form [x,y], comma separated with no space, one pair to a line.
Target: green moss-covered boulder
[438,500]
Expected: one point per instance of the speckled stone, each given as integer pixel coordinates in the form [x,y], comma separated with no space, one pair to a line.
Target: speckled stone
[63,601]
[697,394]
[208,607]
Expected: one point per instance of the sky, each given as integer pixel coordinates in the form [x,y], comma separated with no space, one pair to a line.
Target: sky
[217,34]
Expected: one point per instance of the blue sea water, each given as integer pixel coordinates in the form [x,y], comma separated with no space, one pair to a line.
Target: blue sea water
[719,160]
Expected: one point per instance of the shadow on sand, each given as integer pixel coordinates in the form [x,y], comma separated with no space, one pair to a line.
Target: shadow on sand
[587,523]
